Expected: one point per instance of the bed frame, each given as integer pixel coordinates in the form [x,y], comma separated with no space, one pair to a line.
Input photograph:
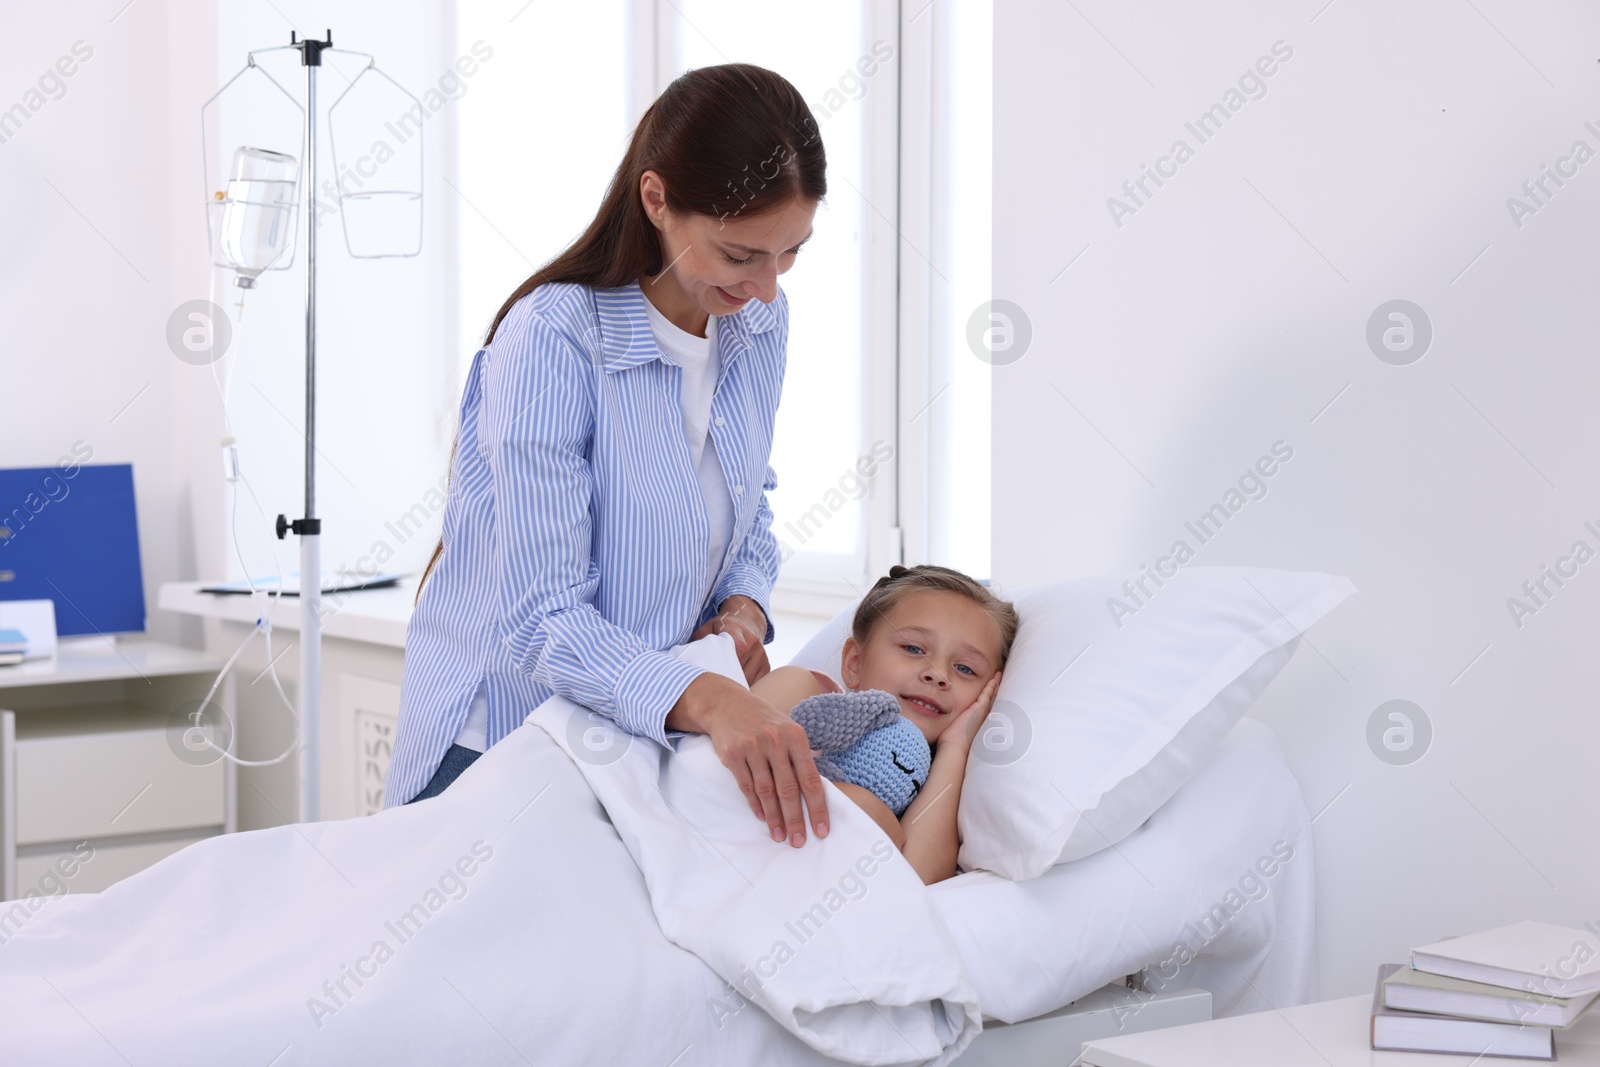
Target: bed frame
[1057,1039]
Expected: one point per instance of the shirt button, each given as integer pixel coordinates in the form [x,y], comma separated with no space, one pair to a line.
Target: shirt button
[720,420]
[739,489]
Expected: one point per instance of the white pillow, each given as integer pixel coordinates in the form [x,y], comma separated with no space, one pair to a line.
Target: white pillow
[1104,712]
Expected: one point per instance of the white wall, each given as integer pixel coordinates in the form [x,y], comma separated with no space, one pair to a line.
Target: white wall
[86,265]
[1230,310]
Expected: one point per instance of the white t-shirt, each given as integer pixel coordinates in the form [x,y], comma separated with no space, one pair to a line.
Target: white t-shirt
[475,731]
[697,356]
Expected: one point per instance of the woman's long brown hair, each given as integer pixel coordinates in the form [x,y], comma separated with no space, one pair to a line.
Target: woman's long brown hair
[729,141]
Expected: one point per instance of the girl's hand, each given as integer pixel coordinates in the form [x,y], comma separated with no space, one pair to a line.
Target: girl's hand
[742,619]
[963,730]
[767,752]
[933,834]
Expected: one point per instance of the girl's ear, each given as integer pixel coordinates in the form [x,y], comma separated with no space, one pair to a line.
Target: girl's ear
[850,663]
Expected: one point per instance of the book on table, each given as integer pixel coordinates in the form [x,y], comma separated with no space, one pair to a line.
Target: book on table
[1412,1031]
[1554,960]
[1408,989]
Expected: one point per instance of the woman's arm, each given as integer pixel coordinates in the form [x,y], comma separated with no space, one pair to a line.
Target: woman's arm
[535,431]
[932,839]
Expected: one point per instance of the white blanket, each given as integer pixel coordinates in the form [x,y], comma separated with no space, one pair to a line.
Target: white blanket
[838,941]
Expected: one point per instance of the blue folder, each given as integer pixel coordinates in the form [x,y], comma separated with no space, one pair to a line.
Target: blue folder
[74,539]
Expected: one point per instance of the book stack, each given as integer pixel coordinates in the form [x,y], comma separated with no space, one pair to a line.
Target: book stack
[13,646]
[1503,992]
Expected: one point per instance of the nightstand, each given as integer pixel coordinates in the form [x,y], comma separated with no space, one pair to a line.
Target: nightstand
[1333,1033]
[1057,1037]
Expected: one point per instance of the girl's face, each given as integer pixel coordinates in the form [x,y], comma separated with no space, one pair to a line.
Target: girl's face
[934,651]
[719,264]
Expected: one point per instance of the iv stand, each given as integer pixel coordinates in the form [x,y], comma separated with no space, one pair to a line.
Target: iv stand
[309,528]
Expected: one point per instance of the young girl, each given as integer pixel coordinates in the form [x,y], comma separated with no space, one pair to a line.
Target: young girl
[936,640]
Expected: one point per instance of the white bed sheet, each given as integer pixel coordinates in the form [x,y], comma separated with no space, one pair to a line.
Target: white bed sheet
[1190,877]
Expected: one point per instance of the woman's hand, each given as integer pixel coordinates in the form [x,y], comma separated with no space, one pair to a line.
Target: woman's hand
[767,752]
[963,729]
[741,618]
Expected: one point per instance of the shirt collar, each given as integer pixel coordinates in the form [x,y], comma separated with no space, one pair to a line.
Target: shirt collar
[626,340]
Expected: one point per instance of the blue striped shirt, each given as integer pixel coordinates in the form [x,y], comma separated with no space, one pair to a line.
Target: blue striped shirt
[576,541]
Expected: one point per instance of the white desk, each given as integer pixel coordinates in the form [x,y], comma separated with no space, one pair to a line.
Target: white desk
[88,766]
[379,616]
[1333,1033]
[371,616]
[99,660]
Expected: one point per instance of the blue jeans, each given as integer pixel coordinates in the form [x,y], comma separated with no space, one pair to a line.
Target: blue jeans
[456,759]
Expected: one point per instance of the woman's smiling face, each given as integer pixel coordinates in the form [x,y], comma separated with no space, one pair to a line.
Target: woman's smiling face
[934,651]
[720,264]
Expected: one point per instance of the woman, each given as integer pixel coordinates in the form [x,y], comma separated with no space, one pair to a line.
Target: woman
[614,429]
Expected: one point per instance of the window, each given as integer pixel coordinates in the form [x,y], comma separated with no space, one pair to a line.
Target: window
[534,156]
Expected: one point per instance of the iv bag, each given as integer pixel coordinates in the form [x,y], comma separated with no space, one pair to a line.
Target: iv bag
[258,212]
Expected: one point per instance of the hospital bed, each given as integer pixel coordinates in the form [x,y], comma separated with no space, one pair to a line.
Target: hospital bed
[251,946]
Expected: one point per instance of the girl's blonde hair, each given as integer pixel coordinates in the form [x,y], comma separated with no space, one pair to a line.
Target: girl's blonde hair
[888,590]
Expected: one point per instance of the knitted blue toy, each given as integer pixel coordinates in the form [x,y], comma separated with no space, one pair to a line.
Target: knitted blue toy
[864,740]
